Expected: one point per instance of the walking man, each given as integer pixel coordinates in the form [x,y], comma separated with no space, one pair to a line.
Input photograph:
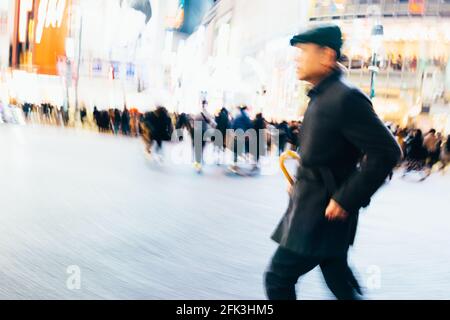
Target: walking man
[340,128]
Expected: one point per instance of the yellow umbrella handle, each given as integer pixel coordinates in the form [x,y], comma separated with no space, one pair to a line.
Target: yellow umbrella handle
[288,155]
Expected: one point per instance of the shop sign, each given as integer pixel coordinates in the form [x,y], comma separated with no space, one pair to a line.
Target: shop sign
[416,6]
[97,66]
[51,30]
[130,70]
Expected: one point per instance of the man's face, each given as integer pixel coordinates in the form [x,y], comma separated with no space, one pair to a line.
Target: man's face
[313,61]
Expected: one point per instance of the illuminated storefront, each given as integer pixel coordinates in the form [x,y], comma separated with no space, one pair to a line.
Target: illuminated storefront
[51,29]
[7,9]
[412,58]
[73,52]
[6,21]
[38,34]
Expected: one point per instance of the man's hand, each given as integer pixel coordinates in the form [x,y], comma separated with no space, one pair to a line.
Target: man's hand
[335,211]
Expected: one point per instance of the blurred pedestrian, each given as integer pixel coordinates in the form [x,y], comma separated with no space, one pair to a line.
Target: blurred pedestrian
[157,127]
[223,123]
[259,124]
[125,122]
[431,144]
[415,150]
[293,135]
[202,122]
[27,110]
[283,135]
[96,116]
[339,127]
[117,121]
[445,153]
[83,115]
[105,121]
[241,124]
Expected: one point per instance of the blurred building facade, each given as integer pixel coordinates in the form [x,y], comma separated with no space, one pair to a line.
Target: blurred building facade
[108,53]
[80,52]
[240,55]
[7,16]
[412,86]
[38,36]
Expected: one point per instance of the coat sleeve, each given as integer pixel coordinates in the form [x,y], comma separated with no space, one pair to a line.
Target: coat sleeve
[361,126]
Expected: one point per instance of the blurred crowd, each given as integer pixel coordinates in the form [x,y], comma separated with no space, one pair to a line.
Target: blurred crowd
[222,131]
[421,151]
[158,125]
[393,62]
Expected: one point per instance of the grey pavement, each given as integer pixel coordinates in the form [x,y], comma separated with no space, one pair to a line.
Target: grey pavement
[139,230]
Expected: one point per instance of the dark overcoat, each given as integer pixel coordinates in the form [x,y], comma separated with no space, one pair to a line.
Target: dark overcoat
[346,154]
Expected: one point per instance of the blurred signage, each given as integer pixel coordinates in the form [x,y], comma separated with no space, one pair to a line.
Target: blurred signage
[130,70]
[416,6]
[50,15]
[114,70]
[97,66]
[378,30]
[118,70]
[425,108]
[51,31]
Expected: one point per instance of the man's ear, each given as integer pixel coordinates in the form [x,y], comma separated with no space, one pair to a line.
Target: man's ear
[329,57]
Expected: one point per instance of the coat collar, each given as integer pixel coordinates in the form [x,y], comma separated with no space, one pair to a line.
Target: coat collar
[325,83]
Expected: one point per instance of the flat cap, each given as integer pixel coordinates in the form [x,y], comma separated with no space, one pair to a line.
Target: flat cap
[325,35]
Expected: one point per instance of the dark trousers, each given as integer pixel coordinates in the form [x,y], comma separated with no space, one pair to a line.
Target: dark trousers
[287,267]
[158,144]
[433,158]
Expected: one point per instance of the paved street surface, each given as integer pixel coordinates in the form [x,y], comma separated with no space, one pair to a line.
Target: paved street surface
[139,230]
